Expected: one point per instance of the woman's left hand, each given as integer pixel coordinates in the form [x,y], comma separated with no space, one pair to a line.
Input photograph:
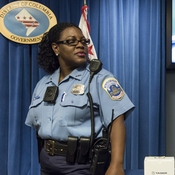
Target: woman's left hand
[117,170]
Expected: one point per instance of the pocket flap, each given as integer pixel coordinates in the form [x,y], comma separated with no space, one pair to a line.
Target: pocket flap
[35,103]
[74,100]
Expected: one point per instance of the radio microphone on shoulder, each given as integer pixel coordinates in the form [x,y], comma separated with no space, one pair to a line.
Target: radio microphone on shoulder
[95,67]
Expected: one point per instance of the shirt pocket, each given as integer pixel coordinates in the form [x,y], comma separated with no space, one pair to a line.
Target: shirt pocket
[34,113]
[75,109]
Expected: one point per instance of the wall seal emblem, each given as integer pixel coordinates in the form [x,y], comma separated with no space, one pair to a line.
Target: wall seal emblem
[25,21]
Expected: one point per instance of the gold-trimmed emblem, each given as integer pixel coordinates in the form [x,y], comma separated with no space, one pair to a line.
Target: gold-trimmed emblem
[25,21]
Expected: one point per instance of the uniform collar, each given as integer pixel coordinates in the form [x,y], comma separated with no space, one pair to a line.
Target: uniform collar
[76,74]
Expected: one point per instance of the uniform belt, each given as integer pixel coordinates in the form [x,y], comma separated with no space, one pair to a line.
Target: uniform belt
[53,147]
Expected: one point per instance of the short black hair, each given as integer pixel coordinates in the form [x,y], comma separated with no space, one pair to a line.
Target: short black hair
[46,57]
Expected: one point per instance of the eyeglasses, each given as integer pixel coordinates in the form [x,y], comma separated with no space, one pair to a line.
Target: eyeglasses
[74,42]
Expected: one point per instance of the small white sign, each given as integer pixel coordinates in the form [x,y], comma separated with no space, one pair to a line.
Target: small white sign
[159,165]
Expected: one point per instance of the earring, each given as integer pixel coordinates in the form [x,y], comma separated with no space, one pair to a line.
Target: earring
[56,54]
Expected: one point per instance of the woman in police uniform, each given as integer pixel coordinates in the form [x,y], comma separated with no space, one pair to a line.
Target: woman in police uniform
[61,111]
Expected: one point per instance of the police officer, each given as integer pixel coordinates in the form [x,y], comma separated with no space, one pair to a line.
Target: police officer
[60,109]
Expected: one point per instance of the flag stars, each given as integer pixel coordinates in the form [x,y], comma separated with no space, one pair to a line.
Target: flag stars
[25,18]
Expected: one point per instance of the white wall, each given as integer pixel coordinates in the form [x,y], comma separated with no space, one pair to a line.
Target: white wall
[170,113]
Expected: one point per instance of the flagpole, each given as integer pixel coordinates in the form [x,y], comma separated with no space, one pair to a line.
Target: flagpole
[84,2]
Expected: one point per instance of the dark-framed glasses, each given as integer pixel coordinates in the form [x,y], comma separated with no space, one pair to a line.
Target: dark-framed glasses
[74,42]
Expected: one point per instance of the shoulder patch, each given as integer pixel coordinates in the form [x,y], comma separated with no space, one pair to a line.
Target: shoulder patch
[113,88]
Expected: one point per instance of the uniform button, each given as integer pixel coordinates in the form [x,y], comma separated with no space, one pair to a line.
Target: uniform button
[72,101]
